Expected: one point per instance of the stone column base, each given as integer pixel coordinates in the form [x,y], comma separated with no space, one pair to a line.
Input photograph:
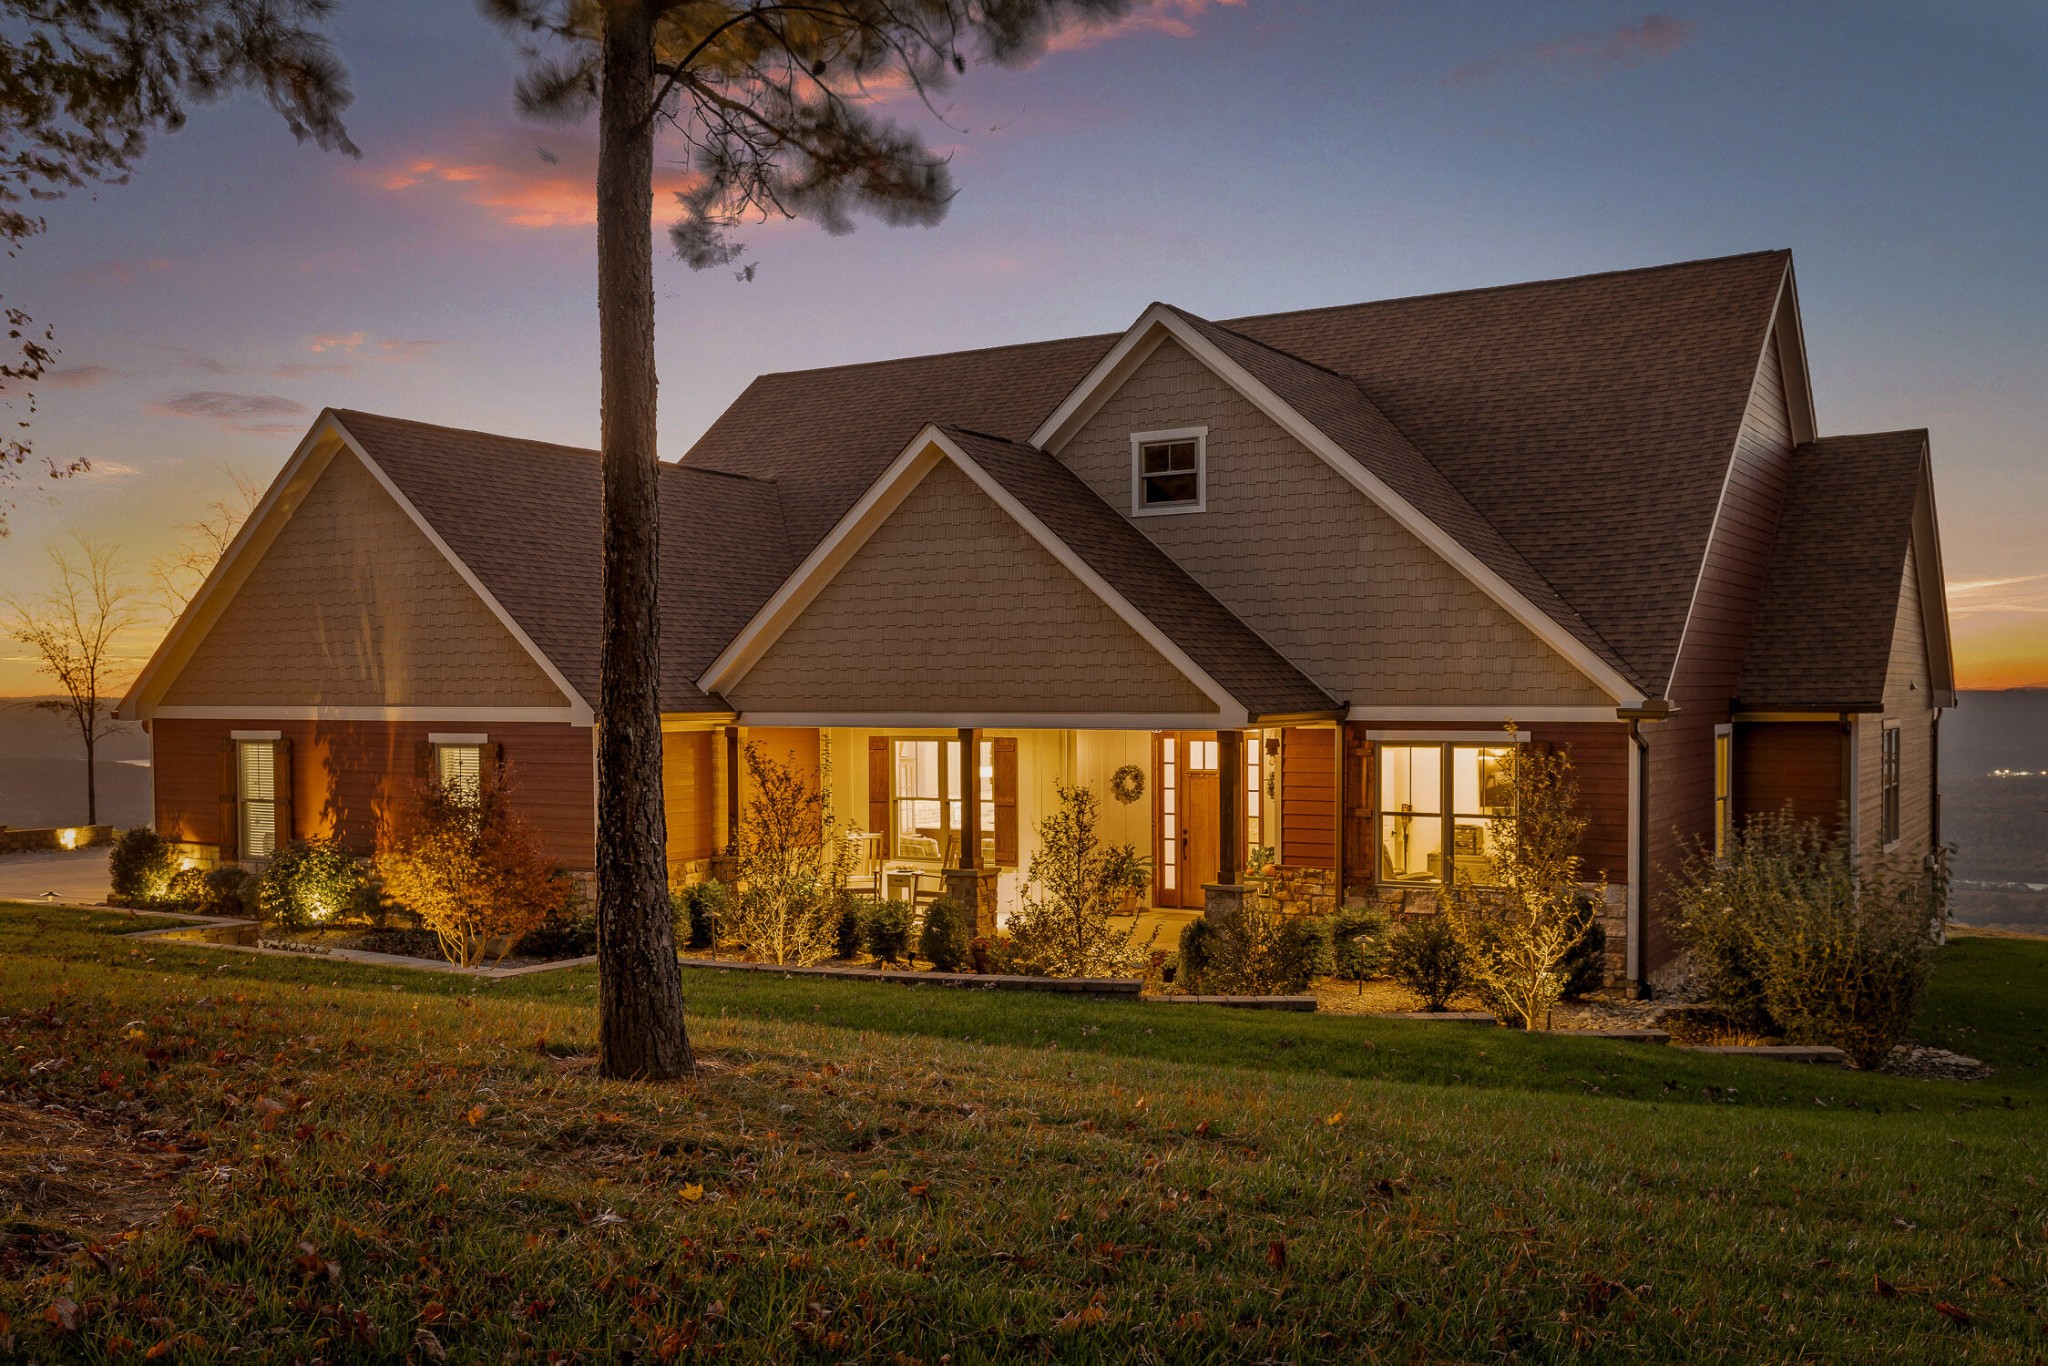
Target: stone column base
[1221,900]
[725,868]
[975,888]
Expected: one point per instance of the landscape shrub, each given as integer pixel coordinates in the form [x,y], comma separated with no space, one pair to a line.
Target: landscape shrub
[1256,949]
[470,868]
[948,931]
[1075,889]
[1196,938]
[1424,956]
[851,932]
[187,888]
[227,890]
[1585,967]
[139,868]
[793,863]
[1303,952]
[307,882]
[1358,943]
[1792,932]
[701,911]
[886,929]
[568,931]
[1518,924]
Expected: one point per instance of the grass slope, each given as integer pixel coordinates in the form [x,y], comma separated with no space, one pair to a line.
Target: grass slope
[371,1163]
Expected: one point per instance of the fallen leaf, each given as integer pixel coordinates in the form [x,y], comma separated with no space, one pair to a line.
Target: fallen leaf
[1081,1318]
[475,1113]
[1276,1254]
[433,1312]
[1336,1118]
[429,1345]
[691,1193]
[1958,1316]
[1883,1288]
[63,1313]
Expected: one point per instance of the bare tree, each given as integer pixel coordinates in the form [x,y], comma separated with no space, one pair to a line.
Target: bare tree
[83,84]
[176,576]
[771,100]
[75,629]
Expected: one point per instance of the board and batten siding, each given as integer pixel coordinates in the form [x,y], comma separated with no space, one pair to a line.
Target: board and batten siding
[1339,587]
[350,777]
[950,606]
[1908,702]
[351,605]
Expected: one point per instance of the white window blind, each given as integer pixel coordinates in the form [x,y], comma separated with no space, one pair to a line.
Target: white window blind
[257,763]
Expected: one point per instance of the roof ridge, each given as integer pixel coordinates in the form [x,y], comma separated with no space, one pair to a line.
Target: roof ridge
[941,355]
[346,413]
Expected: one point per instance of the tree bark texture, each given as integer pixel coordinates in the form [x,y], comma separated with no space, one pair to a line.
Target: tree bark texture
[641,1031]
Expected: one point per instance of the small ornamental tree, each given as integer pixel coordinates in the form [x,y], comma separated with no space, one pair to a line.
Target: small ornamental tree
[1074,890]
[1518,932]
[470,868]
[794,858]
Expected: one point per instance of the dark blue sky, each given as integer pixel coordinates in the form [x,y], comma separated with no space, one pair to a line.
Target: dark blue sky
[1229,157]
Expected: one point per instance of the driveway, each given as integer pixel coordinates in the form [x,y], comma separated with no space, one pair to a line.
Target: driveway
[74,875]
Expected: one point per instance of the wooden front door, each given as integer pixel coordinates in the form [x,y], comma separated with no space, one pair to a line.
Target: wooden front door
[1185,851]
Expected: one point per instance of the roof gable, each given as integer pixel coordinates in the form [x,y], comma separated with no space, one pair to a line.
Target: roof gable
[1241,676]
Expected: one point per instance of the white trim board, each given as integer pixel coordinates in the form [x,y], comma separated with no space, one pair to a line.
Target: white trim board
[1446,737]
[954,721]
[924,453]
[1159,322]
[1502,715]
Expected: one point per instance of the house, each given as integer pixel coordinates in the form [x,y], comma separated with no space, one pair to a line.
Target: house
[1300,571]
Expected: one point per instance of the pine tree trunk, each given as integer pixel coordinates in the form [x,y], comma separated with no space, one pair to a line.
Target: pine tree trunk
[640,1026]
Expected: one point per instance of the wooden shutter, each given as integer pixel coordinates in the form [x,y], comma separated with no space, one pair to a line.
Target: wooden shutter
[281,789]
[423,762]
[230,802]
[879,771]
[1003,758]
[490,767]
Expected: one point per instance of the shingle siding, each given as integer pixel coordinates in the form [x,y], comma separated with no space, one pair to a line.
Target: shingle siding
[951,606]
[1327,577]
[351,605]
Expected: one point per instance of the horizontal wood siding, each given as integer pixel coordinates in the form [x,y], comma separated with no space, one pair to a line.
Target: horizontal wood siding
[1308,797]
[1789,766]
[1908,703]
[348,777]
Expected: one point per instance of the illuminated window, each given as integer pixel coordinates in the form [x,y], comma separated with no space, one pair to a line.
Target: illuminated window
[1724,789]
[1169,799]
[924,827]
[1254,789]
[1413,809]
[256,797]
[1167,470]
[461,770]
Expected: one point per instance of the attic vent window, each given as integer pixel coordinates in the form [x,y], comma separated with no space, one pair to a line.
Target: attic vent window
[1168,471]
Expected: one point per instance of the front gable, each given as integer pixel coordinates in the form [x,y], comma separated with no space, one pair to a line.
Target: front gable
[1337,584]
[343,605]
[949,608]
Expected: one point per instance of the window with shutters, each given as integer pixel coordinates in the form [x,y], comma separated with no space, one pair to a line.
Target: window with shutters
[461,770]
[915,786]
[256,797]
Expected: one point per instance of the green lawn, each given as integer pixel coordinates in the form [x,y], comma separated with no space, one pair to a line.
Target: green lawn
[351,1157]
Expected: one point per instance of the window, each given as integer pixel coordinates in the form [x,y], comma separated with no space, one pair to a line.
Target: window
[461,769]
[1167,473]
[1169,798]
[256,797]
[1413,809]
[1724,788]
[922,827]
[1254,789]
[1890,775]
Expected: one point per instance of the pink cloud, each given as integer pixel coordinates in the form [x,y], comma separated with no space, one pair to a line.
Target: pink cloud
[226,407]
[1582,56]
[79,376]
[366,347]
[513,181]
[1174,18]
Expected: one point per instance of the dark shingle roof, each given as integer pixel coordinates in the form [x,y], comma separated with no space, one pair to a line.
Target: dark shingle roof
[1588,422]
[523,515]
[1830,605]
[1224,647]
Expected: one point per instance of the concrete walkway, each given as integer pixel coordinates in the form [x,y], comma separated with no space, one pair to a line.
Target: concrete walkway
[76,875]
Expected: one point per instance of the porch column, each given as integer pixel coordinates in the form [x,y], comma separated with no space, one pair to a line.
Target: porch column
[1225,896]
[970,884]
[725,864]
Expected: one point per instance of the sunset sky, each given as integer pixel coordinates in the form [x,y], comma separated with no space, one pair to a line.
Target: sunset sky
[1229,156]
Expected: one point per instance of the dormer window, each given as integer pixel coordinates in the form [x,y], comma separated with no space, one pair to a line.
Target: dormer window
[1168,471]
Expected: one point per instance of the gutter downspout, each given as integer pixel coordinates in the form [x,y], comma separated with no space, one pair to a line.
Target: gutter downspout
[1651,709]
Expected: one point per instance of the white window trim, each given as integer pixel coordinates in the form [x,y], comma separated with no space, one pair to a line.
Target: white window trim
[439,739]
[1886,729]
[1140,440]
[255,735]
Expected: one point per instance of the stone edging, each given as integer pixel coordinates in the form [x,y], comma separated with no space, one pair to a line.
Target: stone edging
[1817,1054]
[1090,986]
[1297,1003]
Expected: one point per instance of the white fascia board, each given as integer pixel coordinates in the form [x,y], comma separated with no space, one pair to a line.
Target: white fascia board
[279,501]
[562,716]
[577,702]
[1159,322]
[925,451]
[1503,715]
[1791,333]
[1933,585]
[1446,737]
[954,721]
